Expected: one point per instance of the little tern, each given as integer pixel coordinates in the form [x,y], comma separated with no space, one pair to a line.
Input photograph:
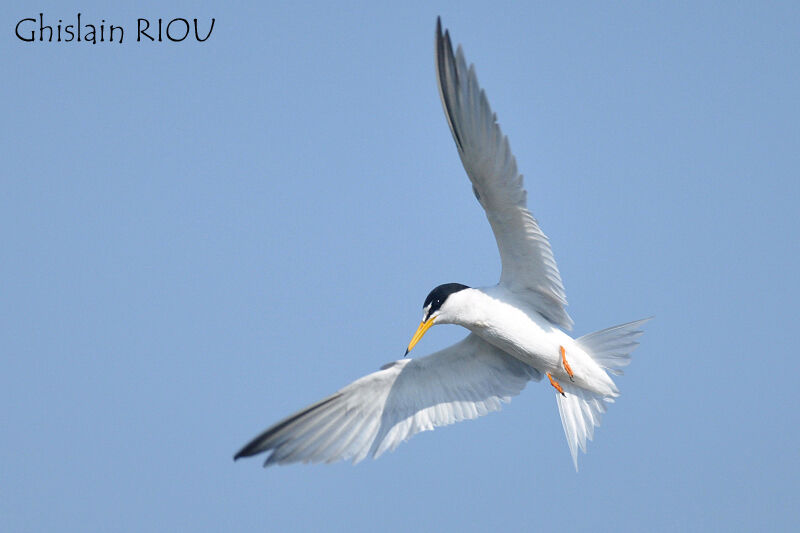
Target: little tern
[516,327]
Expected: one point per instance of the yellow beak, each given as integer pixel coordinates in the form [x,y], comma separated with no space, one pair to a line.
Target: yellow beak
[423,327]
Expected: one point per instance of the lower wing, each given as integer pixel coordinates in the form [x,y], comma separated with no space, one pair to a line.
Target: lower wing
[379,411]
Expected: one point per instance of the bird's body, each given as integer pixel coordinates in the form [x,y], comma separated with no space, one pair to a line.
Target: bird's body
[504,320]
[517,326]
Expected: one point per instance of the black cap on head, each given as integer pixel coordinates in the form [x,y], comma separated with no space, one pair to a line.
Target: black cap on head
[438,296]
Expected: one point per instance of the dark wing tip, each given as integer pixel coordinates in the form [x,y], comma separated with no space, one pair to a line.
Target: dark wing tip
[447,77]
[249,450]
[262,442]
[439,36]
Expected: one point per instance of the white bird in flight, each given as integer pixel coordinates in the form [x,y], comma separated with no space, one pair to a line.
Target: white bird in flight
[516,327]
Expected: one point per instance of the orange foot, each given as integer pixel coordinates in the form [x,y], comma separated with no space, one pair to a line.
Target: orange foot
[566,365]
[555,384]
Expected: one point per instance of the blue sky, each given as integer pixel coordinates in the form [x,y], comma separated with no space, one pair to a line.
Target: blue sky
[199,239]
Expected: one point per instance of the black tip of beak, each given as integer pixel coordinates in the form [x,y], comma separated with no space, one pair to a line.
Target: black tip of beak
[405,354]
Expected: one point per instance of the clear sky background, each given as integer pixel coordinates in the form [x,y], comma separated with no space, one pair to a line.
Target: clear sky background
[196,240]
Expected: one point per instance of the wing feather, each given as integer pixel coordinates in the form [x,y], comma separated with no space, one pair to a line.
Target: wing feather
[528,264]
[379,411]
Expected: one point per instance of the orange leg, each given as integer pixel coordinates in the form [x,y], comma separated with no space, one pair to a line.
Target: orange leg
[566,365]
[555,384]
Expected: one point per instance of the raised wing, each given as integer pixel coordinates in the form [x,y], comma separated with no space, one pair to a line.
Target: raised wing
[529,268]
[383,409]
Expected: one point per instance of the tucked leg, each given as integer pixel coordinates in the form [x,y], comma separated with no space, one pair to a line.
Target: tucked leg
[555,384]
[566,365]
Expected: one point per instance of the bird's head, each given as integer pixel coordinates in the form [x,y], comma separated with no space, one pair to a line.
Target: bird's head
[439,308]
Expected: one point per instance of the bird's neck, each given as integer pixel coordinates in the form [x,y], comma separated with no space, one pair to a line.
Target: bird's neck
[470,308]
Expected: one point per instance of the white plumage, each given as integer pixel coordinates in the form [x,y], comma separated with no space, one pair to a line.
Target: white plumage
[516,326]
[379,411]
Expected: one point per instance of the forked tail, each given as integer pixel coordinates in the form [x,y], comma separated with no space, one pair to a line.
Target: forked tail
[581,410]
